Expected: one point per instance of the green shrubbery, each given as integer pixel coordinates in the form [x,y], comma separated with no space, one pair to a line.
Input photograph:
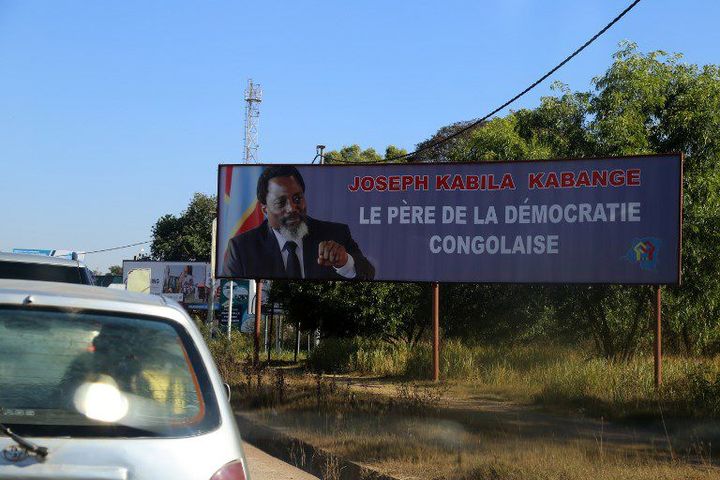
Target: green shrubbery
[231,356]
[553,375]
[359,355]
[488,364]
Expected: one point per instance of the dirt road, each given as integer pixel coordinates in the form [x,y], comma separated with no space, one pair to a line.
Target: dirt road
[264,467]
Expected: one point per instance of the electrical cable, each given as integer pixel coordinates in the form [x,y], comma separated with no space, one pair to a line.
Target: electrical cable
[516,97]
[471,125]
[117,248]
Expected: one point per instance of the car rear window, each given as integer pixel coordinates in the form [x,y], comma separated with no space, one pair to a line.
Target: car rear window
[93,374]
[40,271]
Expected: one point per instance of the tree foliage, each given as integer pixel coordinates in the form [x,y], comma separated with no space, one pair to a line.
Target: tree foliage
[186,237]
[644,103]
[355,154]
[388,311]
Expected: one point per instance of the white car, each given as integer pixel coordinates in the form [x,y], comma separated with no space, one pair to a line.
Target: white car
[105,384]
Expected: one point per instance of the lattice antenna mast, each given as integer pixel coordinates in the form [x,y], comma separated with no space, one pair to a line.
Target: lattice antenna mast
[253,97]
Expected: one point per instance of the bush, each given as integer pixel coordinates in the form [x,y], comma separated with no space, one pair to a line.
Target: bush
[230,355]
[365,356]
[703,385]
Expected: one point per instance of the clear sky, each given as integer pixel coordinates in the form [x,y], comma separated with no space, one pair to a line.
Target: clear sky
[113,113]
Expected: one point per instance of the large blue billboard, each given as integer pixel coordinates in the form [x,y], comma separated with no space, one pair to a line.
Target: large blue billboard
[606,220]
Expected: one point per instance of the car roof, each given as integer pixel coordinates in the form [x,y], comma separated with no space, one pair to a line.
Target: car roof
[16,291]
[42,259]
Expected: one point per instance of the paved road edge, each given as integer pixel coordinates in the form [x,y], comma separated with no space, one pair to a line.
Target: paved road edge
[303,455]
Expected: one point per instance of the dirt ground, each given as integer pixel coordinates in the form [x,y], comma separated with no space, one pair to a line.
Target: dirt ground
[489,411]
[422,431]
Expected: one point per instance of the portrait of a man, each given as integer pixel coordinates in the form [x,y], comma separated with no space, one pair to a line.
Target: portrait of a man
[291,244]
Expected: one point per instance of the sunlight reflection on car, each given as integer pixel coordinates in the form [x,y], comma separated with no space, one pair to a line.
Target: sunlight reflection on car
[102,401]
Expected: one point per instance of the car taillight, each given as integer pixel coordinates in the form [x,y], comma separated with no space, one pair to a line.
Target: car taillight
[231,471]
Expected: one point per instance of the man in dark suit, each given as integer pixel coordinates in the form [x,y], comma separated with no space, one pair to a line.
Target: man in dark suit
[289,243]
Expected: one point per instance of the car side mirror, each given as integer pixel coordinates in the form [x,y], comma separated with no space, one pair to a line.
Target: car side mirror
[227,390]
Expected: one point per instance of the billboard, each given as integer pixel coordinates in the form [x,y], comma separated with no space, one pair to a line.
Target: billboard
[240,295]
[604,220]
[185,282]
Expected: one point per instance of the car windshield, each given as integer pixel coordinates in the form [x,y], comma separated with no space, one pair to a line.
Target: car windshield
[93,374]
[41,271]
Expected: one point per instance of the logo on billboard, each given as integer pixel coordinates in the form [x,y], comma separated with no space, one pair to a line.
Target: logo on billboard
[645,252]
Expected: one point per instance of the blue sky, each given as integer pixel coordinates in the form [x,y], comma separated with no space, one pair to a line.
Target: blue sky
[113,113]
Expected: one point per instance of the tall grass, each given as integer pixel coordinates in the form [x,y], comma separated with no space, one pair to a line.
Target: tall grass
[233,357]
[547,374]
[359,355]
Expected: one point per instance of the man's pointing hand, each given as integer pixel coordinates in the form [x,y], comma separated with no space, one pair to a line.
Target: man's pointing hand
[332,254]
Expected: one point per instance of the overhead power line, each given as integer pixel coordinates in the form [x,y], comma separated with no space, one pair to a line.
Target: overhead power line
[513,99]
[118,248]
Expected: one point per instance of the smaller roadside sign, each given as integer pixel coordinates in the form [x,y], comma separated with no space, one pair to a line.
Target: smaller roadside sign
[240,294]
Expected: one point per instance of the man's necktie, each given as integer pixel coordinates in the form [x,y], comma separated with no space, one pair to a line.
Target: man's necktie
[293,262]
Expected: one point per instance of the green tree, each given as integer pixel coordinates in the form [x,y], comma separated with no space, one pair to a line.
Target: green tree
[115,270]
[389,311]
[644,103]
[442,152]
[355,154]
[186,237]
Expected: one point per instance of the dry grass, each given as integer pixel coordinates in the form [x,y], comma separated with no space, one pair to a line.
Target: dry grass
[412,430]
[467,429]
[551,375]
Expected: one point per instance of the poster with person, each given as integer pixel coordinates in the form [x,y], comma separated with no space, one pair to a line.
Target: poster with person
[185,282]
[599,220]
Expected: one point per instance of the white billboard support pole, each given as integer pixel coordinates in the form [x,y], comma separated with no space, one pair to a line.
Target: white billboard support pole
[252,287]
[266,344]
[230,309]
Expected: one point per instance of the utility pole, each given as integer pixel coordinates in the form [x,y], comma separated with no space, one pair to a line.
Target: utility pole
[253,97]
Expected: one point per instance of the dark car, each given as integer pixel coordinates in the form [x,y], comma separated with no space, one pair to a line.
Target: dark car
[19,266]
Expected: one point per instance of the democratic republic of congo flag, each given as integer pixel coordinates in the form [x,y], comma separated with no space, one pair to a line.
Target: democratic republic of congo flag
[239,208]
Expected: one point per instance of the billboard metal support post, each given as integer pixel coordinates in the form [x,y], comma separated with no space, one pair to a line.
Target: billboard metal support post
[658,338]
[436,330]
[297,341]
[211,304]
[258,316]
[211,294]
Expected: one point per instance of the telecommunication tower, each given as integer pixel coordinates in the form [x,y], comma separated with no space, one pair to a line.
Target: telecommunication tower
[253,97]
